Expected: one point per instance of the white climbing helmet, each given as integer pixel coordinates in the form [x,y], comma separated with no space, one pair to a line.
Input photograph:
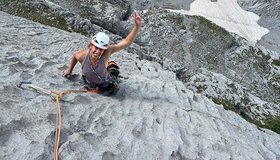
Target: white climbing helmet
[100,40]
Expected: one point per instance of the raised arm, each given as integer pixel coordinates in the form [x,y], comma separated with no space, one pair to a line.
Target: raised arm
[131,36]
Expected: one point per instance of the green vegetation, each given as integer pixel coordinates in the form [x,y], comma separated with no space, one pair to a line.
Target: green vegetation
[227,104]
[44,18]
[87,14]
[258,59]
[262,55]
[233,87]
[211,60]
[192,26]
[183,76]
[179,21]
[42,14]
[272,123]
[39,13]
[269,123]
[104,6]
[276,62]
[201,88]
[262,60]
[217,30]
[211,41]
[273,83]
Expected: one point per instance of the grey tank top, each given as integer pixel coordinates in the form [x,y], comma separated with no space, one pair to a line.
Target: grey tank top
[96,75]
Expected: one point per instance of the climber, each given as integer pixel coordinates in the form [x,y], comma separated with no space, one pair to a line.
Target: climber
[97,70]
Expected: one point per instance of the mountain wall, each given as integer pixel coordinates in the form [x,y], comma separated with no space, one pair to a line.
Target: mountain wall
[153,116]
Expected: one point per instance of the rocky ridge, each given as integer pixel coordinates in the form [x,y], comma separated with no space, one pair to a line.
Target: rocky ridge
[153,116]
[183,44]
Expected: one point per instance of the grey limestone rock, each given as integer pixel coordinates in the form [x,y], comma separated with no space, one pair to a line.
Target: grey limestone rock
[153,116]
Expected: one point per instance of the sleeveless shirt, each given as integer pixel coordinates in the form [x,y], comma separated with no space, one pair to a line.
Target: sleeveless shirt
[95,75]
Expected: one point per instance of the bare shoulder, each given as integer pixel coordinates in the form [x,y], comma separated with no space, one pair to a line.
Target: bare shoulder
[80,55]
[113,48]
[109,50]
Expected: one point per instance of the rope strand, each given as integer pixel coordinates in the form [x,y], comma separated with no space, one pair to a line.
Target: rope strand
[59,125]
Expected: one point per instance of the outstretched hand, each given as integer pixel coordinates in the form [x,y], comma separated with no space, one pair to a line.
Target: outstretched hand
[137,19]
[67,73]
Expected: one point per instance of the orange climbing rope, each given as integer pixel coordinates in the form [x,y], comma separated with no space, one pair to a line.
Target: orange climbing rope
[58,98]
[58,127]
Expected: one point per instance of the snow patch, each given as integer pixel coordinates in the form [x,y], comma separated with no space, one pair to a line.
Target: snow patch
[229,15]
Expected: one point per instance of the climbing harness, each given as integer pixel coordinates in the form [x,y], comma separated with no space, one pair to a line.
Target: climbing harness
[57,96]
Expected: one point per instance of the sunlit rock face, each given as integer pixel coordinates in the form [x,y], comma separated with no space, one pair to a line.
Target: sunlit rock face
[182,43]
[181,74]
[153,116]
